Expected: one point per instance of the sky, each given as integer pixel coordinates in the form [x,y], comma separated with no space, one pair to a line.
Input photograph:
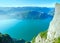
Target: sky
[33,3]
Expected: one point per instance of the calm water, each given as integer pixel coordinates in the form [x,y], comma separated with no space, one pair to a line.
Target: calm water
[25,29]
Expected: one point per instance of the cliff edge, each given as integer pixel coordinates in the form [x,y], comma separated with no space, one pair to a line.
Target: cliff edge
[52,35]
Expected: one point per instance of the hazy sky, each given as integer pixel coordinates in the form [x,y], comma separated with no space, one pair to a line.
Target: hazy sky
[21,3]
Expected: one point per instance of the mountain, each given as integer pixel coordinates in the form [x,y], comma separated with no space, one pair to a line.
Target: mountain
[37,15]
[5,38]
[27,12]
[24,13]
[52,35]
[33,13]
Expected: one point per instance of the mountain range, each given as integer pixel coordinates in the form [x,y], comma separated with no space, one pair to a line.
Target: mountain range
[27,12]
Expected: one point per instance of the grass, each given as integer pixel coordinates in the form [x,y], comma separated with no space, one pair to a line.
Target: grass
[56,40]
[43,34]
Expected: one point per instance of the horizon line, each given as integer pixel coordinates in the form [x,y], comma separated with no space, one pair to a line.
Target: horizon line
[29,6]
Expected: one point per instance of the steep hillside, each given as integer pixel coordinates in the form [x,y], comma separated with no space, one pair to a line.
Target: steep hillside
[5,38]
[52,35]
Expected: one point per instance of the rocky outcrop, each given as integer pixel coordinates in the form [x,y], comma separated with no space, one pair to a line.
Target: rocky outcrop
[54,28]
[40,38]
[5,38]
[53,33]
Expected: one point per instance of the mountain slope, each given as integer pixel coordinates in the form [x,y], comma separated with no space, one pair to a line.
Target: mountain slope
[27,12]
[5,38]
[53,34]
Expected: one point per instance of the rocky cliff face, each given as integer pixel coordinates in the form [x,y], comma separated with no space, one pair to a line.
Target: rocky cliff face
[54,28]
[53,33]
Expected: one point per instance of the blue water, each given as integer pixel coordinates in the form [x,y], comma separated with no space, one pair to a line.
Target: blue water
[24,29]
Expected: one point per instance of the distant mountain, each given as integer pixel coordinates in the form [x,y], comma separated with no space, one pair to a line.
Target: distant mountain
[37,15]
[27,12]
[33,13]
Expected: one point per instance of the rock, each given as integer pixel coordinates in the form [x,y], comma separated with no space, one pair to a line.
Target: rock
[41,38]
[53,34]
[54,28]
[5,38]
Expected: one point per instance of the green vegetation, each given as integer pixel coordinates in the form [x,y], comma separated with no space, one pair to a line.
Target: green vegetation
[56,40]
[33,40]
[5,38]
[43,34]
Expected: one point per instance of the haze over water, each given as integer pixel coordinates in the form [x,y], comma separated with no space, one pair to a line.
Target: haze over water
[23,29]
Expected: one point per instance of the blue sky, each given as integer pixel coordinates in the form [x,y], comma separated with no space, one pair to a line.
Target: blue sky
[21,3]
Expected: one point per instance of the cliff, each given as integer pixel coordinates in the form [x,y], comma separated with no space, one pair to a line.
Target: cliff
[52,35]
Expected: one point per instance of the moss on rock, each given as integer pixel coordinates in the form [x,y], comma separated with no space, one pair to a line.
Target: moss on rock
[43,34]
[56,40]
